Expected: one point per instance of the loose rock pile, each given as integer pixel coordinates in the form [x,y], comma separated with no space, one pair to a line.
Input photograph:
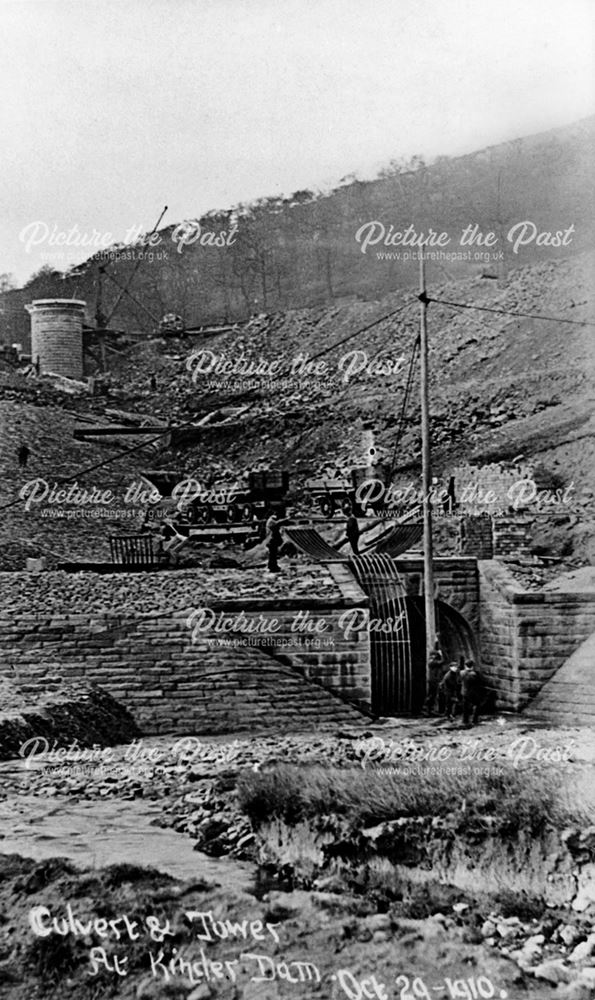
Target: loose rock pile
[87,715]
[145,593]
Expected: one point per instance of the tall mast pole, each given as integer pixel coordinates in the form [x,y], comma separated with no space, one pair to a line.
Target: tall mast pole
[430,614]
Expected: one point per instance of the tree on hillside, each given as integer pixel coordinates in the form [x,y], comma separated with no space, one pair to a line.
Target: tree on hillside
[254,252]
[172,292]
[325,236]
[218,287]
[7,283]
[45,281]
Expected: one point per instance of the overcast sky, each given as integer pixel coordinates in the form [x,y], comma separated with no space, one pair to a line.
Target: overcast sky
[112,109]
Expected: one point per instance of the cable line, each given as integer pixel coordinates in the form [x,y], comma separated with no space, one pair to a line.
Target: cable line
[509,312]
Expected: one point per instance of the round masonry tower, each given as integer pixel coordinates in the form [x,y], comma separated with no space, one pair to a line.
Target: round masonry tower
[57,336]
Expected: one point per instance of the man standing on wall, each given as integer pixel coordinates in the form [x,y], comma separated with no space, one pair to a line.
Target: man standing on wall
[172,541]
[273,543]
[352,533]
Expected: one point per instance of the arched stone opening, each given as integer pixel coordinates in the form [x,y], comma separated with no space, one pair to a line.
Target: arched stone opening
[456,639]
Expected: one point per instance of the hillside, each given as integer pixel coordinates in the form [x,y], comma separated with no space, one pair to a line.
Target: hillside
[300,250]
[501,386]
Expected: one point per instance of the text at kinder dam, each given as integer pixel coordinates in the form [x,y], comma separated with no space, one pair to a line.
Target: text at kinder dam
[182,966]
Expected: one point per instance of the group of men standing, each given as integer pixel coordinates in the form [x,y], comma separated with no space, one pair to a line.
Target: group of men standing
[454,685]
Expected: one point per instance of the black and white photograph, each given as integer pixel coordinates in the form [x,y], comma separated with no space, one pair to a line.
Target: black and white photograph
[297,500]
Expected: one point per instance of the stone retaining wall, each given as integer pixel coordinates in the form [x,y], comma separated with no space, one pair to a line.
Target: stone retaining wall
[217,680]
[512,536]
[526,636]
[455,579]
[476,536]
[177,678]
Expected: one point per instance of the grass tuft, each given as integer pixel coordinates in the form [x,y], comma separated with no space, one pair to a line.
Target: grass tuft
[53,958]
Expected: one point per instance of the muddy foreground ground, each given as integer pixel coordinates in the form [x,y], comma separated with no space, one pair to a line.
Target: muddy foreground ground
[262,912]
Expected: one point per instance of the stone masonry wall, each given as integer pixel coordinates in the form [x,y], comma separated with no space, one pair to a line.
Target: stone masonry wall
[276,667]
[484,489]
[476,536]
[499,652]
[527,636]
[487,537]
[455,579]
[176,677]
[511,536]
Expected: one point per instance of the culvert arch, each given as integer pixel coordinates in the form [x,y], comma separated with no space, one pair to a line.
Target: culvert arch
[398,656]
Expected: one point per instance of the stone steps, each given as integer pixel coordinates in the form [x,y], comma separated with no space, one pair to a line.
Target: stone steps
[569,697]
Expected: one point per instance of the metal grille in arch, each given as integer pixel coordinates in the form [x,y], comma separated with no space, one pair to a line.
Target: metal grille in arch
[390,650]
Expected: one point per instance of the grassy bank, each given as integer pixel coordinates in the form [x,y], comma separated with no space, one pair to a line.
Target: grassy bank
[506,799]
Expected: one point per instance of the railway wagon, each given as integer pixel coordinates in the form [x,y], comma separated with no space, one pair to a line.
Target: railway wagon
[260,496]
[342,494]
[186,502]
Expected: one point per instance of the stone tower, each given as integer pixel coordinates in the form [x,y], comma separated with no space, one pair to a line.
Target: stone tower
[57,336]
